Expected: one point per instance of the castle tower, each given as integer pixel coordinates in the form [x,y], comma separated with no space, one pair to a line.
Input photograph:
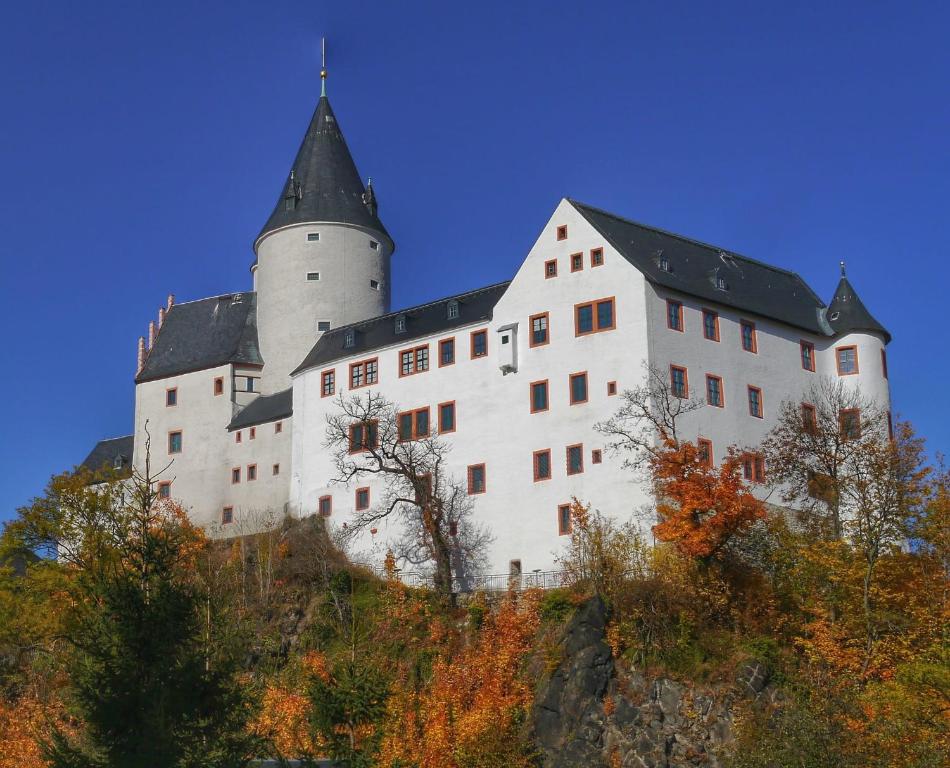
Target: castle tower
[323,257]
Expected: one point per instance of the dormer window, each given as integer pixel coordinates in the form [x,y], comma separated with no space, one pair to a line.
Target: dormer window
[663,261]
[452,310]
[401,324]
[117,462]
[374,245]
[313,237]
[374,284]
[721,283]
[349,339]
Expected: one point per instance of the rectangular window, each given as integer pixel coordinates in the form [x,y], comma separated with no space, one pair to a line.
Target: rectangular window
[575,459]
[884,362]
[611,388]
[362,499]
[404,421]
[714,394]
[253,433]
[421,423]
[249,384]
[593,317]
[747,333]
[808,355]
[755,402]
[413,425]
[809,418]
[704,449]
[446,352]
[577,383]
[564,520]
[219,385]
[171,397]
[325,506]
[596,257]
[596,456]
[753,468]
[227,515]
[542,465]
[364,435]
[562,232]
[313,237]
[374,285]
[238,436]
[479,344]
[414,360]
[235,475]
[275,470]
[679,381]
[476,479]
[313,276]
[251,472]
[446,417]
[539,396]
[374,245]
[174,442]
[278,427]
[577,262]
[164,490]
[847,360]
[364,373]
[674,315]
[539,330]
[328,383]
[710,325]
[850,421]
[550,269]
[323,326]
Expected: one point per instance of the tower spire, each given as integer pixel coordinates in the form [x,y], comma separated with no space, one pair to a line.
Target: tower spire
[323,66]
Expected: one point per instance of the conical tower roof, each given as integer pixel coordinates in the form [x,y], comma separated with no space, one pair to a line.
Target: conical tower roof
[847,312]
[323,184]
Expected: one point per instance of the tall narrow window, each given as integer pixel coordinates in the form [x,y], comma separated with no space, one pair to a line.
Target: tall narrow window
[704,448]
[253,431]
[809,418]
[575,459]
[174,442]
[577,262]
[596,456]
[171,397]
[476,479]
[596,257]
[325,506]
[446,417]
[674,315]
[219,385]
[747,334]
[679,382]
[808,355]
[593,317]
[238,436]
[884,362]
[235,475]
[710,325]
[550,269]
[446,352]
[714,394]
[850,421]
[327,383]
[562,232]
[227,515]
[278,427]
[539,396]
[578,387]
[452,310]
[847,359]
[362,499]
[251,472]
[479,344]
[421,423]
[564,520]
[539,329]
[755,402]
[611,388]
[542,465]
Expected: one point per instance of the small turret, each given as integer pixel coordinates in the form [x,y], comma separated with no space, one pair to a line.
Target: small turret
[847,312]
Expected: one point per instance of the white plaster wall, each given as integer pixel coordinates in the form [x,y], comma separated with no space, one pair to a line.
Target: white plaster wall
[870,376]
[289,306]
[494,423]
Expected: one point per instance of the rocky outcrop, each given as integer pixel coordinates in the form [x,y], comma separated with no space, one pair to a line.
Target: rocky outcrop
[592,713]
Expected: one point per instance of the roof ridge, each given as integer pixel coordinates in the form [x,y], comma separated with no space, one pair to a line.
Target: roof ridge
[208,298]
[117,437]
[418,306]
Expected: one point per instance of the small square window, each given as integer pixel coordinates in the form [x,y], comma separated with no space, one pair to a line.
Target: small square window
[323,326]
[476,479]
[564,521]
[251,472]
[313,276]
[539,396]
[219,385]
[235,475]
[542,465]
[313,237]
[575,459]
[479,344]
[171,397]
[227,515]
[374,284]
[596,456]
[374,245]
[550,269]
[325,506]
[597,257]
[164,490]
[174,442]
[611,388]
[577,385]
[362,499]
[562,232]
[577,262]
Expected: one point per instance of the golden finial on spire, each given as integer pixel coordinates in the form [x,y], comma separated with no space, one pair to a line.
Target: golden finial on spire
[323,66]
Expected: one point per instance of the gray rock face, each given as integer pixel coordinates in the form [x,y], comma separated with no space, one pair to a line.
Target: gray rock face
[593,714]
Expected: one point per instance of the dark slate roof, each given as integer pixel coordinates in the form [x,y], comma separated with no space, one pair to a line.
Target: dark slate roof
[847,313]
[265,408]
[107,451]
[424,320]
[204,334]
[323,184]
[695,267]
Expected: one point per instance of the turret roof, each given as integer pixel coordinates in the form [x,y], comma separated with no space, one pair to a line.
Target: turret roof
[323,184]
[847,312]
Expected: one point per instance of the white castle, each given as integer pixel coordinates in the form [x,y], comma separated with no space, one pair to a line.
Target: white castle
[236,389]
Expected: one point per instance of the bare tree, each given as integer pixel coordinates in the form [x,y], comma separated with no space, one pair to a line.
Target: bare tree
[648,419]
[368,438]
[810,451]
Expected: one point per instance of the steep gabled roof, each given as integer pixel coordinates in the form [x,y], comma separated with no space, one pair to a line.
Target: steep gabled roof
[113,454]
[323,184]
[847,313]
[695,268]
[423,320]
[265,408]
[204,334]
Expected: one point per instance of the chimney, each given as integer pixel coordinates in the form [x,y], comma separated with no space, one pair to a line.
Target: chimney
[161,317]
[151,334]
[171,300]
[141,358]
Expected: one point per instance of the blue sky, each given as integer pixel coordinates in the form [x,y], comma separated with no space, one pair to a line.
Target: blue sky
[142,146]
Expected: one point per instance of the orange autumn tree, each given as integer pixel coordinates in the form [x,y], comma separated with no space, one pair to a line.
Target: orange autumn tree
[701,507]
